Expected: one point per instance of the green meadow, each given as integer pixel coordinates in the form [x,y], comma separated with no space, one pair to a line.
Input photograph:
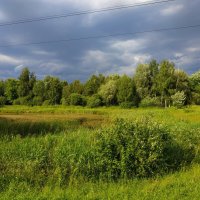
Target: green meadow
[66,152]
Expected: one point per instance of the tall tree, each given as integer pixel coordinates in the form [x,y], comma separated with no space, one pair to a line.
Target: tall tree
[126,90]
[194,80]
[11,90]
[2,88]
[24,89]
[108,92]
[53,90]
[166,81]
[153,68]
[92,85]
[142,80]
[76,87]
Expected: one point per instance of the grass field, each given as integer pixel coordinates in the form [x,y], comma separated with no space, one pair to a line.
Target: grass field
[45,154]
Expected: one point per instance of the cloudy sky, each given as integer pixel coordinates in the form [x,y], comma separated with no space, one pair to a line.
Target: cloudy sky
[79,59]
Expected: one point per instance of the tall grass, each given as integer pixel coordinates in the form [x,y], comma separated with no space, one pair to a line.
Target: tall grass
[61,159]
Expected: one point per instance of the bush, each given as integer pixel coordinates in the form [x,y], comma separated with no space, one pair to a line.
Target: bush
[37,101]
[136,149]
[2,101]
[150,101]
[94,101]
[178,99]
[22,101]
[47,103]
[65,101]
[196,98]
[76,99]
[127,105]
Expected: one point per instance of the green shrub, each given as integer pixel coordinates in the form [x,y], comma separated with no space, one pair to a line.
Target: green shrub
[136,149]
[178,99]
[196,98]
[2,101]
[77,99]
[150,101]
[65,101]
[46,103]
[94,101]
[127,105]
[37,101]
[22,101]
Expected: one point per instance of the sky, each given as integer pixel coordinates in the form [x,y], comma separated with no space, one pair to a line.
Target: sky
[80,59]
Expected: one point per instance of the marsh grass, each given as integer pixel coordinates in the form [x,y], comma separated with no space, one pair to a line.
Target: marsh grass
[48,153]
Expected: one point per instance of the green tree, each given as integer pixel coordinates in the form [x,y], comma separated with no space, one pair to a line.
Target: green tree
[76,87]
[23,89]
[11,90]
[166,82]
[153,70]
[92,85]
[108,92]
[178,99]
[142,80]
[126,90]
[53,90]
[182,84]
[2,88]
[194,81]
[39,89]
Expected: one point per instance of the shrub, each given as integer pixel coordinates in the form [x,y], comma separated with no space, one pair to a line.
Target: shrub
[22,101]
[126,105]
[47,103]
[37,101]
[136,149]
[150,101]
[65,101]
[196,98]
[2,101]
[94,101]
[178,99]
[77,99]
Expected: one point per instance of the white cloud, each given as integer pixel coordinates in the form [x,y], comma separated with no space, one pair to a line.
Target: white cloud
[129,45]
[42,53]
[19,68]
[171,10]
[193,49]
[5,59]
[3,17]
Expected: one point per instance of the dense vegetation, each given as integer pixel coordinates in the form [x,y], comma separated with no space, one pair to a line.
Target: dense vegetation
[154,84]
[59,152]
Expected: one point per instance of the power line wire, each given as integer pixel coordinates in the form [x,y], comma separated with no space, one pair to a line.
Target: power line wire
[103,36]
[119,7]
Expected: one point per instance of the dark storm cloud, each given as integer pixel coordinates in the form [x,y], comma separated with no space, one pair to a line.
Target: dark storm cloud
[80,59]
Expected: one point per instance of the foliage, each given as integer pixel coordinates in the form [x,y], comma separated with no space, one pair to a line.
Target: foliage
[148,102]
[2,101]
[53,153]
[126,105]
[11,88]
[94,101]
[135,149]
[151,80]
[178,99]
[22,101]
[126,90]
[53,90]
[142,80]
[76,99]
[196,98]
[108,92]
[37,101]
[92,85]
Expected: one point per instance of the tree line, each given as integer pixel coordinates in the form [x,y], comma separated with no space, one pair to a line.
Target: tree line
[153,84]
